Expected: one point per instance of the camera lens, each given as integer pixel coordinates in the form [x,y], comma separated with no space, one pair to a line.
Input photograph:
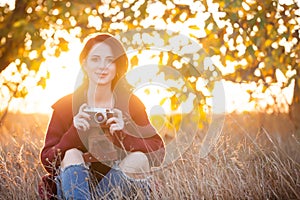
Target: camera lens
[100,118]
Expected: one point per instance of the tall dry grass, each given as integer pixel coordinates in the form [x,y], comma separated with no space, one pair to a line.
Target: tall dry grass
[248,162]
[256,157]
[21,139]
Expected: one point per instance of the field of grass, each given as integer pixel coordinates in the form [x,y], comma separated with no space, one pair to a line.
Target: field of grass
[256,157]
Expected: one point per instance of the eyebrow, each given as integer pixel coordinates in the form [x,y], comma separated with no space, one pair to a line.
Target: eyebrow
[95,55]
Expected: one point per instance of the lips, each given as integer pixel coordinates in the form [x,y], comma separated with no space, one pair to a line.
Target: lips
[101,74]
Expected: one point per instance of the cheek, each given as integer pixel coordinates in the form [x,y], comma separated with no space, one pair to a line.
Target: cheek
[113,69]
[88,72]
[87,68]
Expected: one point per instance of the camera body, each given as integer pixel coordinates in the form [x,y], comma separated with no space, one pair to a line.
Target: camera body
[101,148]
[100,145]
[99,116]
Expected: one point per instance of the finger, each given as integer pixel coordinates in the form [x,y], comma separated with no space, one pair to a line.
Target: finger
[84,115]
[111,130]
[81,108]
[114,127]
[117,121]
[82,127]
[118,112]
[112,120]
[86,124]
[81,124]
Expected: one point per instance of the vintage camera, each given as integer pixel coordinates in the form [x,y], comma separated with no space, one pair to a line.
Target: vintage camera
[100,145]
[99,116]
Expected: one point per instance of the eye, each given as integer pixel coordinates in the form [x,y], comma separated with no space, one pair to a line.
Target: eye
[95,58]
[109,60]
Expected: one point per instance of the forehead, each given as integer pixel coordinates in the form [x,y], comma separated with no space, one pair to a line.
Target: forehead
[101,49]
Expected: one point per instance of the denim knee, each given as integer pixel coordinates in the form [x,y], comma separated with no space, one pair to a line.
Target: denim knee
[73,182]
[116,184]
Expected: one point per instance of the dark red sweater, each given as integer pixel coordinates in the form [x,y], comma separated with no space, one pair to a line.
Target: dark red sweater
[62,135]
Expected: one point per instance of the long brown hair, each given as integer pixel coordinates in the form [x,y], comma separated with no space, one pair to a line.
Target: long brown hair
[118,50]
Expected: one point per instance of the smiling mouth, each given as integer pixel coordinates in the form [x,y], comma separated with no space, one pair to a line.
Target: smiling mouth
[101,74]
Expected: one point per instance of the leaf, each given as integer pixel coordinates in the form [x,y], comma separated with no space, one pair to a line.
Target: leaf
[63,44]
[163,100]
[19,23]
[134,61]
[57,52]
[42,82]
[268,42]
[194,27]
[290,80]
[174,102]
[147,91]
[21,93]
[270,28]
[264,88]
[250,50]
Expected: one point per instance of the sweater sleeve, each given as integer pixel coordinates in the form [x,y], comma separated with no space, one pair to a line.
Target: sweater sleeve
[61,135]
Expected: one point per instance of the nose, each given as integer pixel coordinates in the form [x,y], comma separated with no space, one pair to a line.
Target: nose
[102,65]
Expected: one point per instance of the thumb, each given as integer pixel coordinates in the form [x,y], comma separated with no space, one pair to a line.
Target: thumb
[82,107]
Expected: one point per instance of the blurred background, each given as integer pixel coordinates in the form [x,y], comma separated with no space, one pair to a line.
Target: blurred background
[253,47]
[189,61]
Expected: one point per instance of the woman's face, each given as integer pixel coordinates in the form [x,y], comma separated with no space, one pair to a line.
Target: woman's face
[100,64]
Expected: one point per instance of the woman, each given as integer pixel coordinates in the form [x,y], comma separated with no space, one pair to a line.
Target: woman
[134,145]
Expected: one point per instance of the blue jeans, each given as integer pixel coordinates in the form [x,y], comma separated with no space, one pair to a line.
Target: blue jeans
[73,183]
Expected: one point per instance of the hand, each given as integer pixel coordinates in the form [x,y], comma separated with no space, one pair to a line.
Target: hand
[116,122]
[80,121]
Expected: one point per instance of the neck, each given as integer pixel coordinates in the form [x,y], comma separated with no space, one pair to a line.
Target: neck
[100,96]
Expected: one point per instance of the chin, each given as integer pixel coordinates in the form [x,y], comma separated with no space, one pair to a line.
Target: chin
[102,82]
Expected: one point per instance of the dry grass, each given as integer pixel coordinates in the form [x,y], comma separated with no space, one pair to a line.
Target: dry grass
[21,138]
[257,157]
